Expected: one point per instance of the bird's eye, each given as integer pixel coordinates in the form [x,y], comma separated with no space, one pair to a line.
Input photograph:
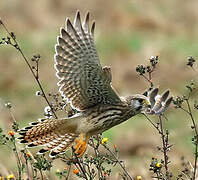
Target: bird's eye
[140,100]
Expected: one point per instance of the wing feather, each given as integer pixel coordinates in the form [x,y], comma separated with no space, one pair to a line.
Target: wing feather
[82,79]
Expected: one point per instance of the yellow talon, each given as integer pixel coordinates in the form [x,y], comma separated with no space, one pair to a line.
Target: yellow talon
[81,145]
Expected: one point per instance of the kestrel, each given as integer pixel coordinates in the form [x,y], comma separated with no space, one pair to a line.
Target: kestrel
[86,85]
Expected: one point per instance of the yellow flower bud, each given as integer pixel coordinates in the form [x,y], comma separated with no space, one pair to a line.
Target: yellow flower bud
[104,140]
[159,165]
[10,176]
[139,178]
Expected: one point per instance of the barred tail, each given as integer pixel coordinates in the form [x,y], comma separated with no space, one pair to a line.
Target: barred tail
[55,134]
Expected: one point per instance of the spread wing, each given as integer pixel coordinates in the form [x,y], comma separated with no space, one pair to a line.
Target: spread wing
[82,79]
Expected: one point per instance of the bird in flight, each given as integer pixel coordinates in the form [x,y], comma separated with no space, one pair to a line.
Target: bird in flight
[86,85]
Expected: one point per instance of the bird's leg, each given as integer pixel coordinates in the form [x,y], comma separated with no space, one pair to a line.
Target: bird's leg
[81,145]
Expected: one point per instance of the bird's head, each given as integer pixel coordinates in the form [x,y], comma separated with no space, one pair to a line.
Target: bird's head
[139,103]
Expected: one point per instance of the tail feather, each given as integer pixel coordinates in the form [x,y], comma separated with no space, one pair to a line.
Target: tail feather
[66,142]
[59,145]
[55,135]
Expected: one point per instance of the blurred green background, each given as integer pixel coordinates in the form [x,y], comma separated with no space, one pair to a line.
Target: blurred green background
[127,33]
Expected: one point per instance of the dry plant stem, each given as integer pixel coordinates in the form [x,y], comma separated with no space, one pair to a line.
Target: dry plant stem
[195,162]
[151,122]
[156,177]
[189,112]
[27,168]
[196,143]
[28,172]
[150,76]
[80,166]
[91,176]
[41,173]
[119,162]
[12,115]
[28,64]
[196,72]
[37,69]
[82,169]
[89,171]
[187,176]
[15,147]
[67,178]
[18,160]
[96,154]
[32,169]
[192,118]
[36,173]
[164,146]
[148,79]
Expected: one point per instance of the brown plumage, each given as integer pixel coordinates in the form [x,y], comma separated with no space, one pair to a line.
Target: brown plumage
[86,85]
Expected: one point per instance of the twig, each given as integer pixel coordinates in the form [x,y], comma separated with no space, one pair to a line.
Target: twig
[68,173]
[149,79]
[195,161]
[17,157]
[196,138]
[27,168]
[96,154]
[41,173]
[192,118]
[80,166]
[119,162]
[164,146]
[155,126]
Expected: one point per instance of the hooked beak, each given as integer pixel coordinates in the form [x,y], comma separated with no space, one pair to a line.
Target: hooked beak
[146,103]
